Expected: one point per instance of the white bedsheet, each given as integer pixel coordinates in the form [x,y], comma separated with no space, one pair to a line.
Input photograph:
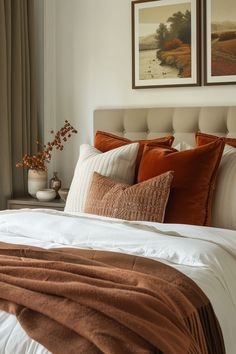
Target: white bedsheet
[206,255]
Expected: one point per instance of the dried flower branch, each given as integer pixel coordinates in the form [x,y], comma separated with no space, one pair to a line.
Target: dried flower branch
[38,161]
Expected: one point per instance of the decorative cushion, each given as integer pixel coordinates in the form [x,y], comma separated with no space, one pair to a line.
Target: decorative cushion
[202,139]
[105,142]
[145,201]
[118,163]
[224,201]
[190,200]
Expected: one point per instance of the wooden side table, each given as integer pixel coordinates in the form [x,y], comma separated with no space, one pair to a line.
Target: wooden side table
[56,204]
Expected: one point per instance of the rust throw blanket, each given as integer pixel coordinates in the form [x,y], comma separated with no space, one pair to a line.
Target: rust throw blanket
[79,301]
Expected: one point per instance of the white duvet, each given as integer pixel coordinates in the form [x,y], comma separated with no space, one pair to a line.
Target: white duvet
[206,255]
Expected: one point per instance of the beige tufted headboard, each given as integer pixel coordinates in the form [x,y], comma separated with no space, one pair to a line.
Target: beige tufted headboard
[182,122]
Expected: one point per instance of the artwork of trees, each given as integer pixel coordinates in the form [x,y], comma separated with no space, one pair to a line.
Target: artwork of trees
[180,30]
[174,42]
[166,43]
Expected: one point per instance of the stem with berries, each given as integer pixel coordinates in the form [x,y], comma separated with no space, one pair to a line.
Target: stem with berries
[38,161]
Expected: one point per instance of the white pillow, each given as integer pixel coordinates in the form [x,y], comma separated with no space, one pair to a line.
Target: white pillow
[183,146]
[224,202]
[119,164]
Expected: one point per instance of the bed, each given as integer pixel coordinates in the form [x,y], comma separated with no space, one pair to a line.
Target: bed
[206,255]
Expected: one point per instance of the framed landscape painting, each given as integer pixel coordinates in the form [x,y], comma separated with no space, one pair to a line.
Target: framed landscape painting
[220,42]
[166,43]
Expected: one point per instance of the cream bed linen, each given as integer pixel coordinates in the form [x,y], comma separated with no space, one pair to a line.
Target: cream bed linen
[206,255]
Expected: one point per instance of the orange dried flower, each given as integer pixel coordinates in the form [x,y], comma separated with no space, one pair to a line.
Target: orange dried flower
[38,161]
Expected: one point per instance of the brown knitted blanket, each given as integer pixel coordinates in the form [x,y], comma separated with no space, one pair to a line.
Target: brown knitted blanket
[79,301]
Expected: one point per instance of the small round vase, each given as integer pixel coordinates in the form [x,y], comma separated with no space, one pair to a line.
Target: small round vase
[36,180]
[46,195]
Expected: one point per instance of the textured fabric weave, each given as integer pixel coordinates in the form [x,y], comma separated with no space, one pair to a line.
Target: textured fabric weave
[145,201]
[93,302]
[118,163]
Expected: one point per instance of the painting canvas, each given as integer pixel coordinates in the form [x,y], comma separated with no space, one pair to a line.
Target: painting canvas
[220,42]
[166,50]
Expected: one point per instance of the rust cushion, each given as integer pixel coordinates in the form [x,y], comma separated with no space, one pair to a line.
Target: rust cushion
[106,141]
[190,200]
[203,138]
[145,201]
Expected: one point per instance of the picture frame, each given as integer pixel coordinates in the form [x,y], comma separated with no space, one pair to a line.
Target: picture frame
[166,43]
[220,42]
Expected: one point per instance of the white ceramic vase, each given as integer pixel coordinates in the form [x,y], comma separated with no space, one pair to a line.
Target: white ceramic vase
[36,180]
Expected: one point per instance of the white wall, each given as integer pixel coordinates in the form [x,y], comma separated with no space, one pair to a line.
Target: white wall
[92,67]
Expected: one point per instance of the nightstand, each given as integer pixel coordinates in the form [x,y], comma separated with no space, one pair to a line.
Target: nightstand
[56,204]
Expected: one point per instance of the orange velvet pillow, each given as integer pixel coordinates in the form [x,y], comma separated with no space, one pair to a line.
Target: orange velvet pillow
[106,141]
[190,200]
[202,139]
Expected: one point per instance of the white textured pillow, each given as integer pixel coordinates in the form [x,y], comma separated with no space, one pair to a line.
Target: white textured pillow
[118,164]
[224,203]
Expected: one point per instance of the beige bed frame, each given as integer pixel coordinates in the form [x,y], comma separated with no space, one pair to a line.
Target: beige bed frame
[182,122]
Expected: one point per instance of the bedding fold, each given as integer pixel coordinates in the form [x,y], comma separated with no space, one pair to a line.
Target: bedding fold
[86,301]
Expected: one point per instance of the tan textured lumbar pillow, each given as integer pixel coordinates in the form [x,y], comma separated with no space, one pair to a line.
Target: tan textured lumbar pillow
[145,201]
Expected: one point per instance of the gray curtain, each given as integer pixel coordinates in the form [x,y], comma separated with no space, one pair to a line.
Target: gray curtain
[18,111]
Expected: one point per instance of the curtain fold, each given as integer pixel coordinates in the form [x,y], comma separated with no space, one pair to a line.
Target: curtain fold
[18,108]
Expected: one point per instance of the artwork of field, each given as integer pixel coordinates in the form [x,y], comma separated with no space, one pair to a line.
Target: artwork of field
[165,42]
[223,38]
